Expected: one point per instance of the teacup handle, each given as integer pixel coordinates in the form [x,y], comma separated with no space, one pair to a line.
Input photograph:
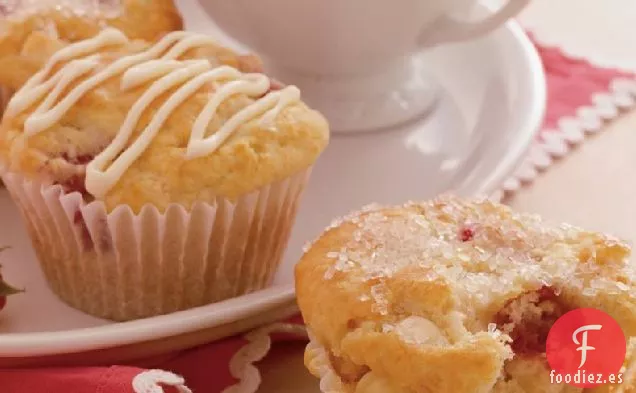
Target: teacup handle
[449,30]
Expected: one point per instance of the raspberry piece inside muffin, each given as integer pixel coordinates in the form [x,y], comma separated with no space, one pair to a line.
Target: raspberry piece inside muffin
[466,233]
[81,159]
[73,177]
[78,220]
[75,183]
[527,319]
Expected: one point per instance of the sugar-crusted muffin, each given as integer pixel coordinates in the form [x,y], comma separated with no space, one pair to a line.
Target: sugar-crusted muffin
[628,374]
[451,296]
[155,177]
[73,20]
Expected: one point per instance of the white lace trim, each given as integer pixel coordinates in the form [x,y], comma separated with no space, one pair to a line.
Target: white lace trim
[152,381]
[570,132]
[241,365]
[320,367]
[259,343]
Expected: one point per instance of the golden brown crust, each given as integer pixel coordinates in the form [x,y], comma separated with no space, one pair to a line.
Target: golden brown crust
[413,293]
[75,20]
[254,156]
[628,377]
[71,21]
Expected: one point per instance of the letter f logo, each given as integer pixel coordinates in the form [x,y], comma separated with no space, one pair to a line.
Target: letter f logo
[583,347]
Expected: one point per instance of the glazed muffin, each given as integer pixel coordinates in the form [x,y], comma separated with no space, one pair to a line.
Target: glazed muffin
[451,296]
[156,177]
[74,20]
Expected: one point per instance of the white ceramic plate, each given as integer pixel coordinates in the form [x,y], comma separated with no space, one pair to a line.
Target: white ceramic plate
[492,103]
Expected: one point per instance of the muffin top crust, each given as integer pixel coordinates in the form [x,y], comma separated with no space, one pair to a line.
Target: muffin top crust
[75,20]
[175,121]
[409,295]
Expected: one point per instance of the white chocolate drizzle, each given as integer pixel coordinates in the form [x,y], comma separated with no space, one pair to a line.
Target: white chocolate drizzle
[159,67]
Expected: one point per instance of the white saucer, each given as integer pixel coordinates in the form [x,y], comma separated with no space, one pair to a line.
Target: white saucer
[491,106]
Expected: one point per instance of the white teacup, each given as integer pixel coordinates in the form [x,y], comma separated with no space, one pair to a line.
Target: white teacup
[353,58]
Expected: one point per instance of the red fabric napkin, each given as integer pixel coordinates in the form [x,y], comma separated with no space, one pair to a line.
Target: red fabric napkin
[572,84]
[202,369]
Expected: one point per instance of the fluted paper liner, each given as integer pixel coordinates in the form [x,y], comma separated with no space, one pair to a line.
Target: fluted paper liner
[121,265]
[317,362]
[5,96]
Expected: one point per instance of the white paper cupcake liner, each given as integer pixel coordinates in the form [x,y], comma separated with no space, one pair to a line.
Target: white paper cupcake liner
[5,96]
[121,265]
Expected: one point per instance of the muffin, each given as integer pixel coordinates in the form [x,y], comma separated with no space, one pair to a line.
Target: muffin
[155,177]
[628,384]
[452,296]
[74,20]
